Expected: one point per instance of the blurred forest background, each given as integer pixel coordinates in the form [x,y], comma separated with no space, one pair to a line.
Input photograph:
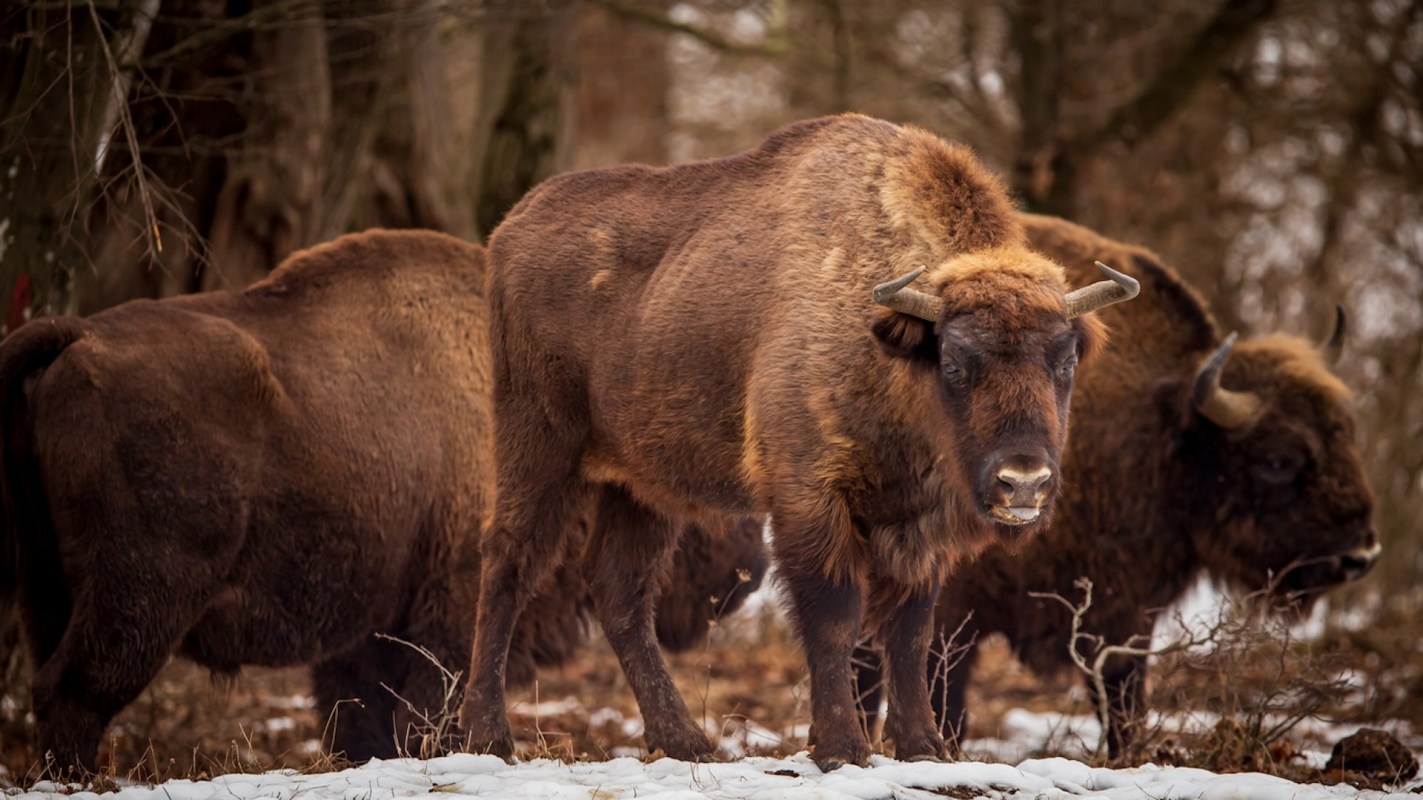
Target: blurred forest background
[1271,150]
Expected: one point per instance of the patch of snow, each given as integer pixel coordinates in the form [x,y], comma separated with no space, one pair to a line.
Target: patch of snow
[740,737]
[631,726]
[297,702]
[276,724]
[754,778]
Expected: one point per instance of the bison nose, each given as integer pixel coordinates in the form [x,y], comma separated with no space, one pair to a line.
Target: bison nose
[1356,564]
[1024,488]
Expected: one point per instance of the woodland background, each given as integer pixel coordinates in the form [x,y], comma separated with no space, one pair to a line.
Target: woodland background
[1271,150]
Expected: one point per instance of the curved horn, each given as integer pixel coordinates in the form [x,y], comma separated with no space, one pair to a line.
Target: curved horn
[1102,293]
[897,295]
[1226,408]
[1334,345]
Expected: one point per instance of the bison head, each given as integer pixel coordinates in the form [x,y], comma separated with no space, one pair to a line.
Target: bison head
[1002,337]
[1270,443]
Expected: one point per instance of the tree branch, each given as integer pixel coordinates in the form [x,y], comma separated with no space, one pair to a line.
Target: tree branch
[130,44]
[215,30]
[774,45]
[1136,120]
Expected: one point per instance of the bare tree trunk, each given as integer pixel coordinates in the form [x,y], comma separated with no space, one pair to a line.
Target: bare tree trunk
[271,203]
[1045,172]
[527,109]
[393,153]
[1052,158]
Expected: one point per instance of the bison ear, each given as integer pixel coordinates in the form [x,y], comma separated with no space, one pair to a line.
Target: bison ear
[902,335]
[1091,336]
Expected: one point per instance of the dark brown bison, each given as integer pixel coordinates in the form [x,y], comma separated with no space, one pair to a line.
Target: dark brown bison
[273,477]
[702,339]
[1190,455]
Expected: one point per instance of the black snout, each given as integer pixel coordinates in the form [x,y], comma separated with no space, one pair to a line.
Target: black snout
[1316,575]
[1357,563]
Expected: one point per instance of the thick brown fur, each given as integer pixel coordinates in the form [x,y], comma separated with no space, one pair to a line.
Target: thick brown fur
[1156,495]
[701,340]
[273,477]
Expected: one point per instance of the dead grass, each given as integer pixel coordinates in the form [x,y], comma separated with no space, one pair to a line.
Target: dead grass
[752,689]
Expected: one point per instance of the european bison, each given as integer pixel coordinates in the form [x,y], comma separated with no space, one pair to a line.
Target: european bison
[702,339]
[1190,455]
[272,477]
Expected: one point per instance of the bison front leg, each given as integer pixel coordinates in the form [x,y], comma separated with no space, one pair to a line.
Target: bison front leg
[906,635]
[630,550]
[827,617]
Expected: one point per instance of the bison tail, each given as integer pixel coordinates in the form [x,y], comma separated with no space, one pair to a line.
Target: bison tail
[24,355]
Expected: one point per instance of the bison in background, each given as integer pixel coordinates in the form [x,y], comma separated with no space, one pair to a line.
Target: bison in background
[1190,455]
[702,339]
[272,477]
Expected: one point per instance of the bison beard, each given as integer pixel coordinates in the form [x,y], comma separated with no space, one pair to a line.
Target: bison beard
[273,477]
[701,339]
[1238,462]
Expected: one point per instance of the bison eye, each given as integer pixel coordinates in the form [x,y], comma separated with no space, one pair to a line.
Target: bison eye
[953,371]
[1066,368]
[1277,469]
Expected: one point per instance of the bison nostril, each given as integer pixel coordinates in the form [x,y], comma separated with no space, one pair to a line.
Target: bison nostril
[1022,485]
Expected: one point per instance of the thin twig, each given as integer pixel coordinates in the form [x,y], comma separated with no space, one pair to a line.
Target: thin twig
[120,99]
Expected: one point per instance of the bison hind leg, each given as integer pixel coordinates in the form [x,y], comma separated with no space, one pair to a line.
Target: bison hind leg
[114,646]
[628,554]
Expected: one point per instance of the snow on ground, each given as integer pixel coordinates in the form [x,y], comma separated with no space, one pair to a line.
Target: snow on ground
[795,778]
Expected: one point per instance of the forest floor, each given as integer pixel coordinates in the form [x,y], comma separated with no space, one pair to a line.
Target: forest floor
[1274,713]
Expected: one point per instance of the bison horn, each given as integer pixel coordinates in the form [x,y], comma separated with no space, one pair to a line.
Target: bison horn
[1102,293]
[1334,345]
[897,295]
[1226,408]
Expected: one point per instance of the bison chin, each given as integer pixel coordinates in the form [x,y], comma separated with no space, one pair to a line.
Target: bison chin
[1018,517]
[1011,530]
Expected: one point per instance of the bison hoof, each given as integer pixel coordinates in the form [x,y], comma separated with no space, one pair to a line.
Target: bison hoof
[499,746]
[926,749]
[832,758]
[688,745]
[489,736]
